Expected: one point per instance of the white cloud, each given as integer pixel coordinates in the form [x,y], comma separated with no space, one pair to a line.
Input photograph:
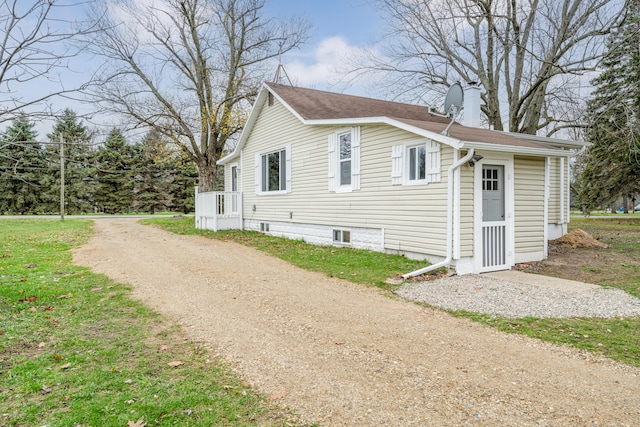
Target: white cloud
[327,65]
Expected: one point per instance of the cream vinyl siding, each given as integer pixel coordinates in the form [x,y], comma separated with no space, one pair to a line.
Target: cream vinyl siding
[558,191]
[466,210]
[529,204]
[554,191]
[413,218]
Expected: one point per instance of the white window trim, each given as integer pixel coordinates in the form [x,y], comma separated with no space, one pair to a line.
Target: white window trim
[400,167]
[258,172]
[334,161]
[231,166]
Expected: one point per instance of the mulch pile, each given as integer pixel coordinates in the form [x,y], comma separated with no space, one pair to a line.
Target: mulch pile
[578,239]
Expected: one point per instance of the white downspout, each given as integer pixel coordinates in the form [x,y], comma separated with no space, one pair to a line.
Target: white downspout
[450,185]
[562,201]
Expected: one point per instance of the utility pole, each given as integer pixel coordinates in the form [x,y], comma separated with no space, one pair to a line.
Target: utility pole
[61,179]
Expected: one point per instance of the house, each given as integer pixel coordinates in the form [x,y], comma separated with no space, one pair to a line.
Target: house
[336,169]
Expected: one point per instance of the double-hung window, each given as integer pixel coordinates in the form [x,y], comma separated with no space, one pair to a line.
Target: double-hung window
[344,160]
[273,173]
[416,163]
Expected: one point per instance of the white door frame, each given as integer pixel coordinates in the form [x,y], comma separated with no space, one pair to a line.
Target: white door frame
[234,196]
[498,159]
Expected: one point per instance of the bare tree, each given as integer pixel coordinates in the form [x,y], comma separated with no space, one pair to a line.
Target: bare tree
[529,55]
[34,36]
[189,68]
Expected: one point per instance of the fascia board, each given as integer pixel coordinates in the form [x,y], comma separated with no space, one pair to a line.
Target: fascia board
[435,136]
[248,127]
[531,151]
[555,142]
[283,102]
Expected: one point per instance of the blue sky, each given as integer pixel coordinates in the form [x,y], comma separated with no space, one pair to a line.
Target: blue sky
[340,27]
[356,20]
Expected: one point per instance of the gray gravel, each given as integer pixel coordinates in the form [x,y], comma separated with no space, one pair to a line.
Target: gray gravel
[482,294]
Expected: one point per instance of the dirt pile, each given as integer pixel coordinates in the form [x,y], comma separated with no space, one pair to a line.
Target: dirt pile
[578,239]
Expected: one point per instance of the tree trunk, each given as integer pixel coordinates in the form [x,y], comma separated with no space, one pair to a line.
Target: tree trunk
[207,174]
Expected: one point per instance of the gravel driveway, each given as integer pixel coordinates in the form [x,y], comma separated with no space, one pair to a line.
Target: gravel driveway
[340,354]
[491,294]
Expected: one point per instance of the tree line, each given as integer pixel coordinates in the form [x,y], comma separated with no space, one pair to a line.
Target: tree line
[112,177]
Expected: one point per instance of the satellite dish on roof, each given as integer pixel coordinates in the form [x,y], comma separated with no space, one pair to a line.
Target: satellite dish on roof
[453,101]
[453,105]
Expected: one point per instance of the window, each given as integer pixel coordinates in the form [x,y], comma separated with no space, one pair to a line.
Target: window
[341,236]
[273,171]
[490,179]
[415,163]
[344,160]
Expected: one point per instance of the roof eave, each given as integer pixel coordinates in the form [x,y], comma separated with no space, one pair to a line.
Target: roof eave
[248,126]
[531,151]
[554,142]
[436,136]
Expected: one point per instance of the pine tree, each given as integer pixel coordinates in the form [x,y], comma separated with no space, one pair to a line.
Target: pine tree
[78,158]
[156,161]
[23,169]
[115,175]
[612,163]
[184,182]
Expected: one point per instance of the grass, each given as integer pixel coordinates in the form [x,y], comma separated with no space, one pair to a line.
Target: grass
[623,237]
[617,338]
[76,350]
[604,214]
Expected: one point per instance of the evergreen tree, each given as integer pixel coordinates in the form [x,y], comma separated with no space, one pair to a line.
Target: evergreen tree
[156,161]
[115,175]
[78,157]
[23,169]
[611,167]
[184,182]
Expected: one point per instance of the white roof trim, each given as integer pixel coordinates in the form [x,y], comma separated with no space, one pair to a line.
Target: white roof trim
[246,130]
[438,137]
[555,142]
[532,151]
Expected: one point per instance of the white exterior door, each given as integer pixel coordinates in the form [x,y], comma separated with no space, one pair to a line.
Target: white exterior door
[494,215]
[494,225]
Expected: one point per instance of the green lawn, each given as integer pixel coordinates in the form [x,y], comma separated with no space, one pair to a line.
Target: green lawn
[615,338]
[75,349]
